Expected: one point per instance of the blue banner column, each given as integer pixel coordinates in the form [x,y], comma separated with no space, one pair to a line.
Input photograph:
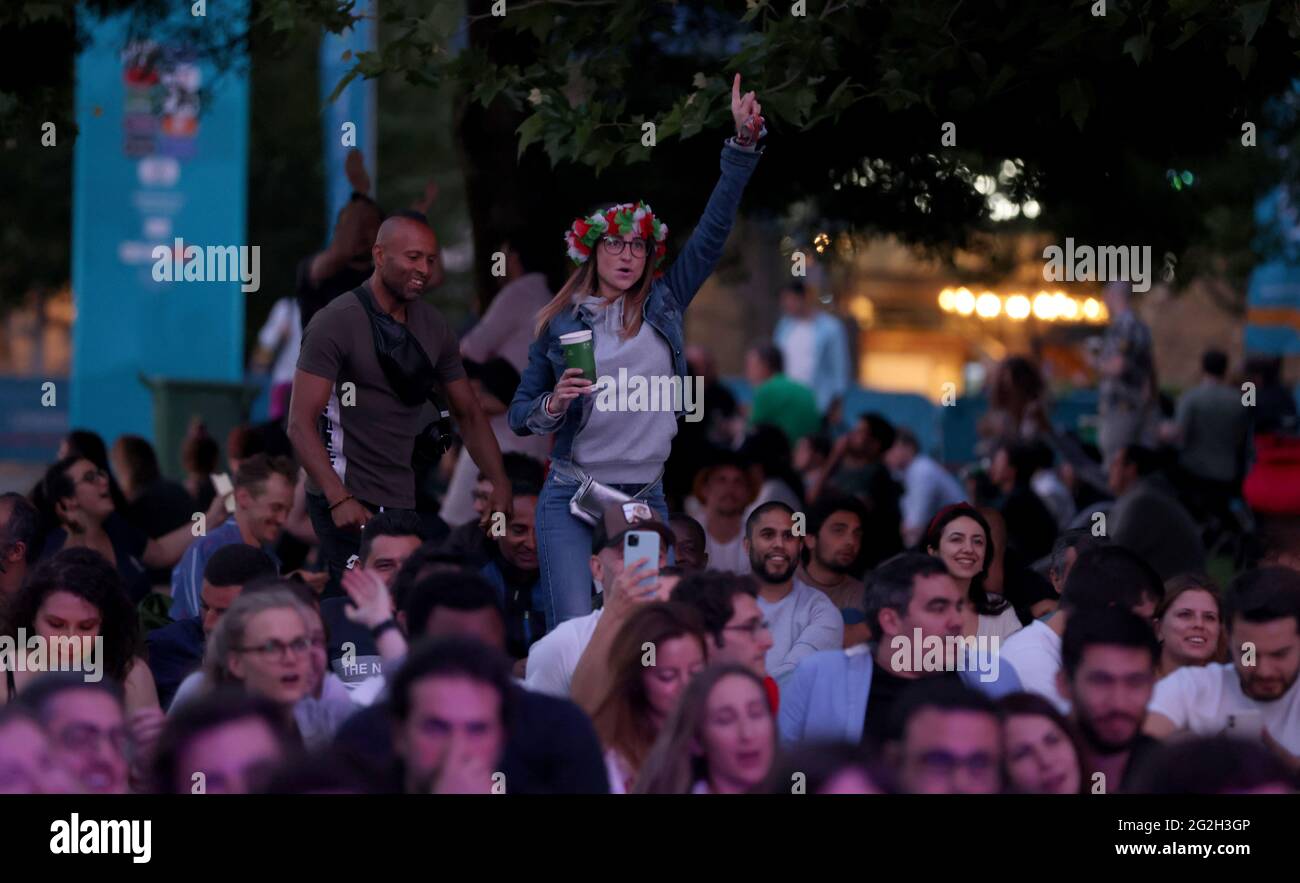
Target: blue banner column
[161,155]
[355,104]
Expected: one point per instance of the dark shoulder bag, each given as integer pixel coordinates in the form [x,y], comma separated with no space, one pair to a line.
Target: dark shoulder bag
[410,374]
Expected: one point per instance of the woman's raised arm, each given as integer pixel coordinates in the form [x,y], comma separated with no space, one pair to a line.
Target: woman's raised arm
[704,248]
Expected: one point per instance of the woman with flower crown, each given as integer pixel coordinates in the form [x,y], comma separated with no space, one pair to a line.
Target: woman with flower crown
[613,431]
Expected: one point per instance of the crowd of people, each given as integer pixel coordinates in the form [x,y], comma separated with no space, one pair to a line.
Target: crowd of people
[574,598]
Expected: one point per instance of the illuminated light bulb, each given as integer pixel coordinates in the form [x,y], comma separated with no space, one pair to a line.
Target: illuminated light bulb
[947,300]
[1044,306]
[1031,209]
[987,305]
[1069,309]
[1092,309]
[1018,307]
[964,301]
[1060,304]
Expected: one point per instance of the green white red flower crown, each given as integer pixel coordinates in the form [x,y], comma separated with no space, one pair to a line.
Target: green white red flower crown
[620,220]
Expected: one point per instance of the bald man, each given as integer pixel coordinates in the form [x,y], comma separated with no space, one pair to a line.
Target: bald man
[350,430]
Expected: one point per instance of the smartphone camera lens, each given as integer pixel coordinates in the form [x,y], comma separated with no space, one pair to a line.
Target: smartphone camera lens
[634,540]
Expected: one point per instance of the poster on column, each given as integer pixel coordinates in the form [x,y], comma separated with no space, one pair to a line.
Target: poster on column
[1273,293]
[160,266]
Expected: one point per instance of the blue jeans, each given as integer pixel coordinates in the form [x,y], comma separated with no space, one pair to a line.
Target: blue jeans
[564,547]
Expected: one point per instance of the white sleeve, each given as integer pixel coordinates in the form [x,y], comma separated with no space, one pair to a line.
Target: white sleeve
[1174,697]
[547,671]
[275,325]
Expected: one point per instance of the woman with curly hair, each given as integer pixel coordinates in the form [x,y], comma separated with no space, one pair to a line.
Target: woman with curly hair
[70,600]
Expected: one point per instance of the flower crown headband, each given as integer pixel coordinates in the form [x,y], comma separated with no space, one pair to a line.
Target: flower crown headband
[625,218]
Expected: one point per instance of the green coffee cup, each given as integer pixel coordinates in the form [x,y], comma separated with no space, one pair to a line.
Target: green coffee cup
[580,352]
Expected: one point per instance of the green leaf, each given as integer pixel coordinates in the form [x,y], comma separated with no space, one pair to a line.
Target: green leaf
[1252,16]
[529,130]
[1137,47]
[1076,100]
[1242,57]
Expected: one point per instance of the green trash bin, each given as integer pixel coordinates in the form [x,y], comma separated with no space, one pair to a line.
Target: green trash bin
[220,405]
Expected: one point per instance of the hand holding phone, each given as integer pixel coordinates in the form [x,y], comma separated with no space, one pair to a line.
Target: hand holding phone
[1245,724]
[225,488]
[638,544]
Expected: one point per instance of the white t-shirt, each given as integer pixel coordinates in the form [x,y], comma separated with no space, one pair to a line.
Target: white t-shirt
[727,557]
[1200,698]
[798,351]
[553,659]
[802,623]
[1034,653]
[283,325]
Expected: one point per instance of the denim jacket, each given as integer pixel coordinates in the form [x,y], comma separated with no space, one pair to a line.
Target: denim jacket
[663,311]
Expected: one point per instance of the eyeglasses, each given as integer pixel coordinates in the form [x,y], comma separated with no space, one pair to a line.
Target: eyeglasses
[279,649]
[614,245]
[86,737]
[93,476]
[754,627]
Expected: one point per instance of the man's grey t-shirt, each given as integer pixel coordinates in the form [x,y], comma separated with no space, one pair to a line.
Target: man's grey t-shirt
[369,441]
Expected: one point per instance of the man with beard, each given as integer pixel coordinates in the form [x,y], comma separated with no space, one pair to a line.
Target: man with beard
[349,429]
[833,544]
[1108,669]
[802,619]
[724,489]
[1255,694]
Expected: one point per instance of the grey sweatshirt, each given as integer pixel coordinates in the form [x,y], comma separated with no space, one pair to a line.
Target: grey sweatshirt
[630,427]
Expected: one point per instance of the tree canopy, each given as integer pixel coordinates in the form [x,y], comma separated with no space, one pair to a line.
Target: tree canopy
[1090,110]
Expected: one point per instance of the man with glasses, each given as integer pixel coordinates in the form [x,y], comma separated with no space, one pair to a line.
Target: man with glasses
[86,725]
[848,695]
[740,635]
[946,739]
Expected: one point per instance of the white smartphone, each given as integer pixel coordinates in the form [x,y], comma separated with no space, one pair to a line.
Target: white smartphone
[221,481]
[1246,724]
[640,544]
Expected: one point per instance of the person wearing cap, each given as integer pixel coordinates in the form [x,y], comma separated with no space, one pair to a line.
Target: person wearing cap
[633,316]
[553,662]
